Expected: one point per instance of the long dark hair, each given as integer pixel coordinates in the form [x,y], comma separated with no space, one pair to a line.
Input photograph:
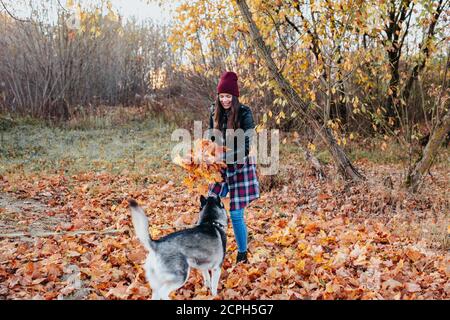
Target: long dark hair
[232,116]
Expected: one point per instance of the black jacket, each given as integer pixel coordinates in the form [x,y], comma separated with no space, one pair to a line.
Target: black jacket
[246,122]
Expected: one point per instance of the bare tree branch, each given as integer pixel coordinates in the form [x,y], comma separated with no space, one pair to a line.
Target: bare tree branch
[11,15]
[342,162]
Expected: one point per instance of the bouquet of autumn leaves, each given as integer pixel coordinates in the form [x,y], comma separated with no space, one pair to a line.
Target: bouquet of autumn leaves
[203,164]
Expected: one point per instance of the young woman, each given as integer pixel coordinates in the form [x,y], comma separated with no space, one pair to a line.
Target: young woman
[239,177]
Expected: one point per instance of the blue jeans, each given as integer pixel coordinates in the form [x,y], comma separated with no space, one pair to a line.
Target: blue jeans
[239,227]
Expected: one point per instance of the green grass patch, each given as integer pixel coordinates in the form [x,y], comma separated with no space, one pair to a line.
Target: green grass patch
[142,146]
[125,141]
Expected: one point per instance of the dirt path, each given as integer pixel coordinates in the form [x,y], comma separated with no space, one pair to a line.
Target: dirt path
[23,217]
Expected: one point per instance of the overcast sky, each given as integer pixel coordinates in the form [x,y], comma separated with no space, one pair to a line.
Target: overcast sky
[141,10]
[126,8]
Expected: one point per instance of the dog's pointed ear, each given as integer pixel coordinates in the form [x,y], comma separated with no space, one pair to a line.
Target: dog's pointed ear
[219,201]
[202,200]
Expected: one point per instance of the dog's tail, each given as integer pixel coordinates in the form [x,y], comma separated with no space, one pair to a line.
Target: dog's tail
[140,223]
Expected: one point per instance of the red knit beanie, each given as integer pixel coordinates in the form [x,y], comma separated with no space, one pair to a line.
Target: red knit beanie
[228,84]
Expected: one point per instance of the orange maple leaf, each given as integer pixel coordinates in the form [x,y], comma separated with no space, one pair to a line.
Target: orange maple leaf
[202,164]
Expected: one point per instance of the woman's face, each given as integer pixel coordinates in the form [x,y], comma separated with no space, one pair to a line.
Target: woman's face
[225,100]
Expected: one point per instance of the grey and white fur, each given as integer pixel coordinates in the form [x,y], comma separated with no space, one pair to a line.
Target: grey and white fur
[171,257]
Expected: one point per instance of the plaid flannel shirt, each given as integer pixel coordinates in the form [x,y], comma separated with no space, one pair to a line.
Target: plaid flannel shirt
[242,181]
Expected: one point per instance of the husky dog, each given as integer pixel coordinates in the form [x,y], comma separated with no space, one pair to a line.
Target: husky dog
[170,258]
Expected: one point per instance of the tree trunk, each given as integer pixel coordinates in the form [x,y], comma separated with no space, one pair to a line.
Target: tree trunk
[343,164]
[392,99]
[393,45]
[424,52]
[313,161]
[415,176]
[339,107]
